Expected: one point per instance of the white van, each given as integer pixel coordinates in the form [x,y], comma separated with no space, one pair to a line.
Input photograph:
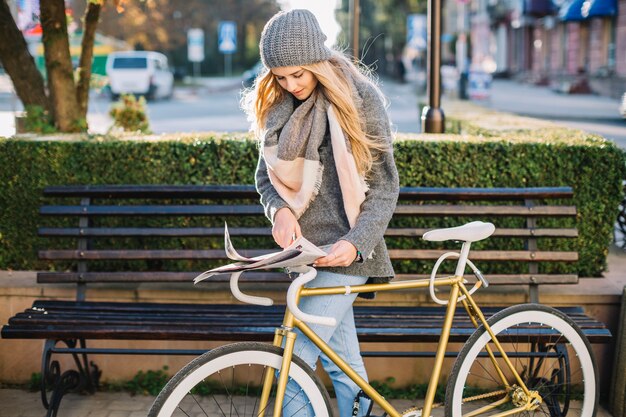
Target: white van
[139,72]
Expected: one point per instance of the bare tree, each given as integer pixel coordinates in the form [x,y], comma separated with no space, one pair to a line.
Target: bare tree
[67,100]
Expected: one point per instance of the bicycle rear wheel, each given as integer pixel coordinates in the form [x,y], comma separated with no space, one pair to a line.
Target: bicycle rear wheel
[227,381]
[556,363]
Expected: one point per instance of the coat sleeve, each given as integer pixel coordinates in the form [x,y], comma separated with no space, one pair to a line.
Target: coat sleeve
[382,196]
[270,199]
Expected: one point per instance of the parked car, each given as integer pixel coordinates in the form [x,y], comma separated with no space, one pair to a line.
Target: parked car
[143,73]
[622,107]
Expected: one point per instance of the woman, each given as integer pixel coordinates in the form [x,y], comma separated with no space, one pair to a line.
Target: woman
[326,172]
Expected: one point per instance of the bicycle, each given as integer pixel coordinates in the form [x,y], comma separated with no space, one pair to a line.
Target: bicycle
[525,359]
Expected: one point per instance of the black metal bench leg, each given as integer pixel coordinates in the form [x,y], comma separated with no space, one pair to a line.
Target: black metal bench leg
[84,379]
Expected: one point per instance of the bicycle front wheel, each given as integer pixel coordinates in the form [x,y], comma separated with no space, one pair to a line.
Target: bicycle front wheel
[228,381]
[550,354]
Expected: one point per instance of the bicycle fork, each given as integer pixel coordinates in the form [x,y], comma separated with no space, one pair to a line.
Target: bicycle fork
[268,379]
[284,333]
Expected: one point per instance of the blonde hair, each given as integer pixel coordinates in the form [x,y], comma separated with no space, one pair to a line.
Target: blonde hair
[333,78]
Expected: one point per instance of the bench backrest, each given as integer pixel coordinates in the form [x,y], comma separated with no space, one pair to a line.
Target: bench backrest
[157,233]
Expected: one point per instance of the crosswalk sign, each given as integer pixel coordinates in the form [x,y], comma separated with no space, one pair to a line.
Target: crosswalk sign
[227,37]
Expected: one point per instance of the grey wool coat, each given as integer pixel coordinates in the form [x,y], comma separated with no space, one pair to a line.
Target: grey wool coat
[325,222]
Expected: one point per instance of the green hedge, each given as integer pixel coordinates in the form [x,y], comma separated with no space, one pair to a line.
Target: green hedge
[592,166]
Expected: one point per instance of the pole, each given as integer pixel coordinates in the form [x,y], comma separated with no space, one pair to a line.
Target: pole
[433,119]
[196,70]
[228,64]
[355,12]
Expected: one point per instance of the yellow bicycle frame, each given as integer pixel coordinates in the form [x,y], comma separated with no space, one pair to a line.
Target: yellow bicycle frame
[457,287]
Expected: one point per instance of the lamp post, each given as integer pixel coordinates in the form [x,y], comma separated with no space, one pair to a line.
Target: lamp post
[433,119]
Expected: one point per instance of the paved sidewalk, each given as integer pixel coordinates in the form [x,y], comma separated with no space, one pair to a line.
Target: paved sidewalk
[18,403]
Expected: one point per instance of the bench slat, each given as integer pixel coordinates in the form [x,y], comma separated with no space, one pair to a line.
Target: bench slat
[399,254]
[160,308]
[270,277]
[410,318]
[153,210]
[136,254]
[487,255]
[264,231]
[152,231]
[256,209]
[448,210]
[247,333]
[152,276]
[492,194]
[248,191]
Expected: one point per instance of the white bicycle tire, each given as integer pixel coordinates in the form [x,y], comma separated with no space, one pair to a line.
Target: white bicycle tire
[512,316]
[233,355]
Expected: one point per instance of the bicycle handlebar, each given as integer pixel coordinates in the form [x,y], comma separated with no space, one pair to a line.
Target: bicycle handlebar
[307,274]
[245,298]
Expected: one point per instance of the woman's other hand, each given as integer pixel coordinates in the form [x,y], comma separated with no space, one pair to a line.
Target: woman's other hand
[286,228]
[342,253]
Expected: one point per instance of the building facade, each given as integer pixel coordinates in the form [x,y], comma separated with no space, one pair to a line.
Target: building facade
[574,46]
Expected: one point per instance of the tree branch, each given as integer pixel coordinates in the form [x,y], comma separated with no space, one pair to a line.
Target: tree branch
[18,62]
[92,16]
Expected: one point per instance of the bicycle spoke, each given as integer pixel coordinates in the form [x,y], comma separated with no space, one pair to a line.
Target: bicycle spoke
[183,411]
[200,406]
[218,405]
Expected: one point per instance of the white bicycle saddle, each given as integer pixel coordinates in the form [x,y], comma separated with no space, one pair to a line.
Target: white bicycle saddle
[469,232]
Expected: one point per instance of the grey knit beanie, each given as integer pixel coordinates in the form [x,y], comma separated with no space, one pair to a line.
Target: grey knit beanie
[293,38]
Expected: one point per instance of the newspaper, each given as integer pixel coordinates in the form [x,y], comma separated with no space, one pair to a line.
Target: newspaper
[301,252]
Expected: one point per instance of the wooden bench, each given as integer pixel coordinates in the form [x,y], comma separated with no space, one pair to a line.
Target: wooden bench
[169,234]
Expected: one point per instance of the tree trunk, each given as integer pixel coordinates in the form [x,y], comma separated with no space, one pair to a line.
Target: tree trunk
[59,67]
[92,15]
[18,62]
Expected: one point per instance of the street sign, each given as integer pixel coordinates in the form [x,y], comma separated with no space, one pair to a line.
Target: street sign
[227,37]
[416,27]
[195,45]
[479,87]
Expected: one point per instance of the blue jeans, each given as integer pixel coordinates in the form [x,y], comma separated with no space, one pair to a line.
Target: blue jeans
[341,338]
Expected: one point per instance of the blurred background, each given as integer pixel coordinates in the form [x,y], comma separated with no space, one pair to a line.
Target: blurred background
[561,60]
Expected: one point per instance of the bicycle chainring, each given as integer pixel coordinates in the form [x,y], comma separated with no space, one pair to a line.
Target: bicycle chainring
[412,412]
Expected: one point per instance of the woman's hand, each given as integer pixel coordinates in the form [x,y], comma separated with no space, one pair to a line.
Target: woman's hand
[342,253]
[286,228]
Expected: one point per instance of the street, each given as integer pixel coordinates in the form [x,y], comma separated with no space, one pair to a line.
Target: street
[214,106]
[588,112]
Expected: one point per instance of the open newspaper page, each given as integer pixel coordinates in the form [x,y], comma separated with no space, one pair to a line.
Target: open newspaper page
[301,252]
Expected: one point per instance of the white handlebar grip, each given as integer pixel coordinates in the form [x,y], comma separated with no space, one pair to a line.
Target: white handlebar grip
[292,292]
[248,299]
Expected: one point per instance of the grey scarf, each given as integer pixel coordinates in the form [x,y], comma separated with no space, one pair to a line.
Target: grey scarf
[290,146]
